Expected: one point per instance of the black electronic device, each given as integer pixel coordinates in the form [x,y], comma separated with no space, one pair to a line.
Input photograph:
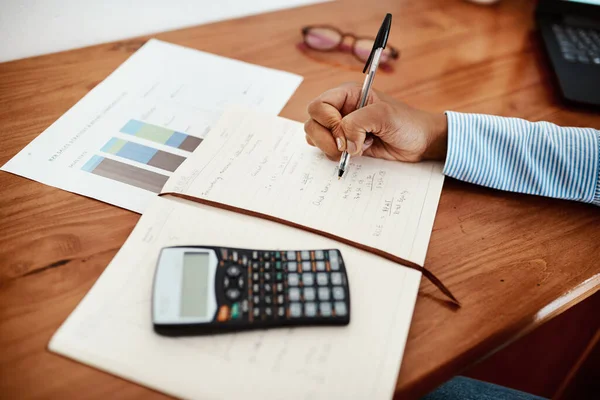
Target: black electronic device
[207,289]
[570,30]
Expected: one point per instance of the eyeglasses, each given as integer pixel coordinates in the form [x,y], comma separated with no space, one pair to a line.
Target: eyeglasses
[329,38]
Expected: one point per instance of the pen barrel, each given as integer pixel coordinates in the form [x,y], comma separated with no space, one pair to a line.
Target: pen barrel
[364,94]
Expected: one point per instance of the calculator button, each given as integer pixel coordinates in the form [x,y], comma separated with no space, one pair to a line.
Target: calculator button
[278,265]
[255,255]
[309,294]
[256,300]
[266,255]
[333,255]
[268,288]
[267,265]
[293,279]
[340,309]
[235,256]
[324,293]
[338,293]
[268,300]
[255,288]
[255,266]
[310,309]
[279,287]
[223,314]
[319,254]
[267,276]
[278,255]
[281,312]
[279,277]
[233,294]
[336,278]
[308,279]
[244,306]
[305,255]
[255,277]
[280,299]
[320,265]
[226,283]
[294,294]
[291,255]
[295,310]
[292,266]
[322,279]
[256,312]
[224,253]
[325,309]
[268,312]
[334,264]
[244,260]
[234,271]
[306,266]
[241,282]
[235,311]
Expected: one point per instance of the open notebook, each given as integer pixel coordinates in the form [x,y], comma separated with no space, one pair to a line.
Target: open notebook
[260,165]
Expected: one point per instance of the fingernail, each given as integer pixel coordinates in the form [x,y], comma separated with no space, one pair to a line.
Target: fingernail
[351,146]
[340,144]
[367,143]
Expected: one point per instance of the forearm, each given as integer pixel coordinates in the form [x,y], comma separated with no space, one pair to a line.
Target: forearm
[516,155]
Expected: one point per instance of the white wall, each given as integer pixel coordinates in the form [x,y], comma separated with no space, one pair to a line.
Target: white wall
[33,27]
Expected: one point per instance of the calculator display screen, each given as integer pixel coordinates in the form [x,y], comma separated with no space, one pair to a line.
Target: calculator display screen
[194,292]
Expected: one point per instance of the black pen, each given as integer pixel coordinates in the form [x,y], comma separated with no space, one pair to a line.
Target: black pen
[371,65]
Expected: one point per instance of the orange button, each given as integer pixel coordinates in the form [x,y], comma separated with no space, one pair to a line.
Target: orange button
[223,314]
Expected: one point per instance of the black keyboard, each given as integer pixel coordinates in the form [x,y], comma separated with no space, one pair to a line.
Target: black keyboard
[578,45]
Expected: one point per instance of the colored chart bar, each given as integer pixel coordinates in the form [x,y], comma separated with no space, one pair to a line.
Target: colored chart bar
[143,154]
[161,135]
[125,173]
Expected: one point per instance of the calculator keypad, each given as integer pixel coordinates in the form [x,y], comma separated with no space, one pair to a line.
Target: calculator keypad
[299,285]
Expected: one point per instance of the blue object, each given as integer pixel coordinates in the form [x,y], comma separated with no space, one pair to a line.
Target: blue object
[527,157]
[462,388]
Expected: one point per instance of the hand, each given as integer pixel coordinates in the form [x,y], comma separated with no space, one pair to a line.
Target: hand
[398,132]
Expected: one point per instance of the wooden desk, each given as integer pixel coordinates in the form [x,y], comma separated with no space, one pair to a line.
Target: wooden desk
[514,261]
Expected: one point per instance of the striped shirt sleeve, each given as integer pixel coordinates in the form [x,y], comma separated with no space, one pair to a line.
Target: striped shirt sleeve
[527,157]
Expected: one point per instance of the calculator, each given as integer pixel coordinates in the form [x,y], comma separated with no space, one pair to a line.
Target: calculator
[207,290]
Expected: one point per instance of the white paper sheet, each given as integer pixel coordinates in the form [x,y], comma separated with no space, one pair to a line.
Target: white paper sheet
[111,328]
[262,163]
[122,141]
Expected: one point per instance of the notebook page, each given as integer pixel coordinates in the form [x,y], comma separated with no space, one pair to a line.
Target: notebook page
[111,328]
[262,164]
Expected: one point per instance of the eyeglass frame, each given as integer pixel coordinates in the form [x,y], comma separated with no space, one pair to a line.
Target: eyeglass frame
[394,53]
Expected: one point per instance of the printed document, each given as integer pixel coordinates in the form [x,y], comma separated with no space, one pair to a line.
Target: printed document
[126,137]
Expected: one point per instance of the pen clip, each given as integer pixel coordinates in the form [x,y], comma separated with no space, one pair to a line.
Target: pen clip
[381,39]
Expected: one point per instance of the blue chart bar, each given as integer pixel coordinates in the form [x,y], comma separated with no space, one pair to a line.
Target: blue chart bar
[143,154]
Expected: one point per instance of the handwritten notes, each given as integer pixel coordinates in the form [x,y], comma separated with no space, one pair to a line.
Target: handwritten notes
[262,164]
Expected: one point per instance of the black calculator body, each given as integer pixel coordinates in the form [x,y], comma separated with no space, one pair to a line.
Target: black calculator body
[207,290]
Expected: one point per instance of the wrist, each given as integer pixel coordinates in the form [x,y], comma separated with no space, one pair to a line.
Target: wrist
[437,143]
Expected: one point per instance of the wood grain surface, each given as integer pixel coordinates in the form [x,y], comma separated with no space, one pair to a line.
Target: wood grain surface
[505,256]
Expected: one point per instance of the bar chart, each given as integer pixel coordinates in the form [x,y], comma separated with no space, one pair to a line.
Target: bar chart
[159,134]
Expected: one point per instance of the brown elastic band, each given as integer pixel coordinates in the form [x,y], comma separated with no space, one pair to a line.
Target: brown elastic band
[428,274]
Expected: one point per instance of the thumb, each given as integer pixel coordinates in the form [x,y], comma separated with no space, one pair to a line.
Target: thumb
[356,125]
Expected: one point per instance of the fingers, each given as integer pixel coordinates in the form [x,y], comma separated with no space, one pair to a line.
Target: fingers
[329,108]
[319,136]
[356,125]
